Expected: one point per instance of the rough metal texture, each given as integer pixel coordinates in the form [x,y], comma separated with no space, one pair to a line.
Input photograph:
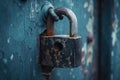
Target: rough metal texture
[59,52]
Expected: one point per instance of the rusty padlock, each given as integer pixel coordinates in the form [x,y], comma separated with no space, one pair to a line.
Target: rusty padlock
[60,51]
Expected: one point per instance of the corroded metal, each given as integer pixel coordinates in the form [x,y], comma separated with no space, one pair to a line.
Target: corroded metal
[72,19]
[60,51]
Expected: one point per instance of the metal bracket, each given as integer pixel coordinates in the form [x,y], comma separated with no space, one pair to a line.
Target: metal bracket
[48,8]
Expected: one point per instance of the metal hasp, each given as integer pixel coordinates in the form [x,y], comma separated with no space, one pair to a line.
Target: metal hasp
[59,51]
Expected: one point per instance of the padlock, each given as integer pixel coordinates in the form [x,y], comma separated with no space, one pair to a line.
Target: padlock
[60,51]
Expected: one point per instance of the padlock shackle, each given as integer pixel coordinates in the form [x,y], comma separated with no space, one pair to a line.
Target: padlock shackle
[72,20]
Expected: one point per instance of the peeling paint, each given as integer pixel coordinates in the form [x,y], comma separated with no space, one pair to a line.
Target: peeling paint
[90,23]
[89,26]
[34,8]
[84,51]
[115,30]
[87,50]
[32,11]
[90,51]
[87,56]
[85,4]
[8,40]
[11,57]
[91,7]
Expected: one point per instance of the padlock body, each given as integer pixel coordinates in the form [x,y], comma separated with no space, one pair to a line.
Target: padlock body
[59,51]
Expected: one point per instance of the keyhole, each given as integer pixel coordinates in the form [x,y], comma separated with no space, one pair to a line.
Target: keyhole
[58,45]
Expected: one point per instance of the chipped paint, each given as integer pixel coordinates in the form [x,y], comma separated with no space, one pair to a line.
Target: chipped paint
[8,40]
[87,50]
[34,8]
[91,7]
[87,56]
[11,57]
[85,4]
[89,25]
[115,30]
[84,51]
[32,11]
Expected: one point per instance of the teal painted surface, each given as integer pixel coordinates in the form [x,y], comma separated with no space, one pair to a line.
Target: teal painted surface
[67,74]
[115,53]
[20,25]
[107,39]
